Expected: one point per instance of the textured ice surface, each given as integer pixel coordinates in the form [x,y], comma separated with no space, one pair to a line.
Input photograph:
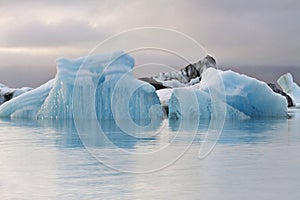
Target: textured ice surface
[192,103]
[120,95]
[288,85]
[100,86]
[59,102]
[238,94]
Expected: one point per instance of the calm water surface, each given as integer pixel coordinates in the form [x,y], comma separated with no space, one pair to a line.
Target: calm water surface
[254,159]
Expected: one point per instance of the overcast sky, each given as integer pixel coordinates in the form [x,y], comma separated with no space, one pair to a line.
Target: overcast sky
[236,32]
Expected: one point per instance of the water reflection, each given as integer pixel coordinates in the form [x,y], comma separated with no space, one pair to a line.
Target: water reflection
[233,131]
[93,133]
[47,160]
[252,131]
[107,134]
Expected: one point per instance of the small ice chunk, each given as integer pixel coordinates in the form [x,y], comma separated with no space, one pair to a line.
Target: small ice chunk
[288,85]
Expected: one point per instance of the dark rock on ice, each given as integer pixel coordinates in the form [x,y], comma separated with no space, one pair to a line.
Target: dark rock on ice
[156,84]
[279,91]
[189,75]
[5,96]
[7,93]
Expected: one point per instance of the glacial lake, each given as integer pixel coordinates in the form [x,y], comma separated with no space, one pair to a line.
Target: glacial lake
[251,159]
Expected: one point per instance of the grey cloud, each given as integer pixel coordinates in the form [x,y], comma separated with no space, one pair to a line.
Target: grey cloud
[27,76]
[236,32]
[246,32]
[35,33]
[238,7]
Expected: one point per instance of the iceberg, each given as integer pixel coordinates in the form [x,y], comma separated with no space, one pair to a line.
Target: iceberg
[7,93]
[102,86]
[288,85]
[98,86]
[241,96]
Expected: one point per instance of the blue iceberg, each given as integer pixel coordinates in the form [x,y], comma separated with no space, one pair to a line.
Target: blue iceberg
[97,86]
[191,103]
[227,94]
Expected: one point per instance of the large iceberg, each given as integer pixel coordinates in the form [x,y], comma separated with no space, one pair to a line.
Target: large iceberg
[229,93]
[98,86]
[288,85]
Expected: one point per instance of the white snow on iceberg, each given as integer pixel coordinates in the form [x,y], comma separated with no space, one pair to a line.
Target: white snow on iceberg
[288,85]
[164,96]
